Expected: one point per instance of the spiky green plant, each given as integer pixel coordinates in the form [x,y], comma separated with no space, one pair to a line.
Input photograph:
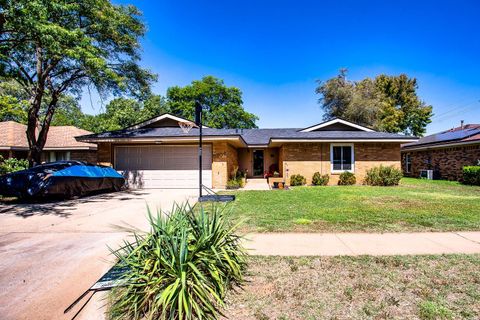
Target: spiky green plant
[181,269]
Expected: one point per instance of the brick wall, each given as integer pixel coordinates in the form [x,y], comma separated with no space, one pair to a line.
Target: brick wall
[89,156]
[369,155]
[104,154]
[304,159]
[232,160]
[447,162]
[308,158]
[224,159]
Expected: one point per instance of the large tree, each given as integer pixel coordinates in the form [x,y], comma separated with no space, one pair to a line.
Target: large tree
[57,47]
[386,103]
[225,105]
[402,111]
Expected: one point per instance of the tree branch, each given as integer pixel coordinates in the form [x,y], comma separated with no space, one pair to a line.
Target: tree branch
[76,76]
[42,136]
[23,71]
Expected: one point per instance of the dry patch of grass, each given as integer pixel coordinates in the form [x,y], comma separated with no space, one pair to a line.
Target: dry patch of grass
[414,287]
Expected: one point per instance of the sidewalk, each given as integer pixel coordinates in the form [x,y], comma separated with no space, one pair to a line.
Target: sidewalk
[332,244]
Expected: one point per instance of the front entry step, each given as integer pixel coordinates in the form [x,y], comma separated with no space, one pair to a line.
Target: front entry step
[256,184]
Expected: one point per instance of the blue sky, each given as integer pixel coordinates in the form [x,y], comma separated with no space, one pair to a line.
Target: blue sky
[275,50]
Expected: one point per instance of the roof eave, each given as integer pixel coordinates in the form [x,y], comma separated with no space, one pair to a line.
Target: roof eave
[438,145]
[399,140]
[163,139]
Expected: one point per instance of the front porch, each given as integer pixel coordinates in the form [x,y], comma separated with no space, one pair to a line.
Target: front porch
[259,162]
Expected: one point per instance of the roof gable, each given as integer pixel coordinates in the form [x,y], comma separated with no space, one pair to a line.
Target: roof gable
[162,121]
[337,125]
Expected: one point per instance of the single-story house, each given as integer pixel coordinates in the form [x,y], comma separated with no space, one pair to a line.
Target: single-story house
[445,152]
[60,145]
[159,154]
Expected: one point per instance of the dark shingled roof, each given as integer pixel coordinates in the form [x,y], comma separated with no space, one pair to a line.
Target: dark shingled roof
[250,136]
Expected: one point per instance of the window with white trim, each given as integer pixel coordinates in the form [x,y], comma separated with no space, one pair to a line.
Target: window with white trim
[342,158]
[408,163]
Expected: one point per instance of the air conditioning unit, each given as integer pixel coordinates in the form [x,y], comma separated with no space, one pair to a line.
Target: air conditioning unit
[426,174]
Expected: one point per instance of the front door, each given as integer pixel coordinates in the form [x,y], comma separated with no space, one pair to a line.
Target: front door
[258,163]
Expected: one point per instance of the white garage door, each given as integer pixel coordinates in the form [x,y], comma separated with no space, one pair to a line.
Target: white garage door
[163,166]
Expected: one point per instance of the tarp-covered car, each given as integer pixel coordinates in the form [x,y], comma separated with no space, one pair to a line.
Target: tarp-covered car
[62,179]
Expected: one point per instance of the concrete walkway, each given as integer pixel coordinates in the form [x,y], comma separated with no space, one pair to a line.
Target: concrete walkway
[256,184]
[332,244]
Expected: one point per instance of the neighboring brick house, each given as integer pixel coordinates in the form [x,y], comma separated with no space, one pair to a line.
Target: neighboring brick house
[61,143]
[446,153]
[158,154]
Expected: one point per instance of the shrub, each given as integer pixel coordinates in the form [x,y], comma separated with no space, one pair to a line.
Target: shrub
[471,175]
[347,179]
[234,183]
[320,180]
[297,180]
[12,165]
[383,176]
[237,179]
[181,269]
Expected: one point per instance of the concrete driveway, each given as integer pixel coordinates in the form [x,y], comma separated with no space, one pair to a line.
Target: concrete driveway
[50,253]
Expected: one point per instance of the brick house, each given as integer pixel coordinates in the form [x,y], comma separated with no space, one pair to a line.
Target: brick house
[61,143]
[446,152]
[159,154]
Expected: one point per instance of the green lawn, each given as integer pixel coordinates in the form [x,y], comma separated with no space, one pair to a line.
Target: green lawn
[414,205]
[366,287]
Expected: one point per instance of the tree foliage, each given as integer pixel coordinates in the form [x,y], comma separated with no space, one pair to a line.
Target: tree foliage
[14,106]
[386,103]
[13,102]
[225,103]
[52,48]
[12,165]
[121,113]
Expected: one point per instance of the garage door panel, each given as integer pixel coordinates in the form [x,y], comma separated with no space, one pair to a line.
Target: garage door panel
[167,179]
[163,166]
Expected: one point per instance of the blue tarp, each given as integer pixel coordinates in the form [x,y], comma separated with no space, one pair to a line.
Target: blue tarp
[88,172]
[62,179]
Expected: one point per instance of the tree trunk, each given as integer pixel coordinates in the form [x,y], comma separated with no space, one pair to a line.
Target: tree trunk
[33,151]
[36,147]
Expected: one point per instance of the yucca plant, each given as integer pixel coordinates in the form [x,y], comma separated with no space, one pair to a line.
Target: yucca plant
[181,269]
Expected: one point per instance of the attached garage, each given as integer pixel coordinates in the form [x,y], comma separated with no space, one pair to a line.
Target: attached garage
[163,166]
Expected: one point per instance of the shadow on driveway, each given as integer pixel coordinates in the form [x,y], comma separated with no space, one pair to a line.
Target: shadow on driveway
[62,208]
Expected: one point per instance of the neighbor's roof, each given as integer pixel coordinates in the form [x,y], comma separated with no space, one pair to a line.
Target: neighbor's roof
[467,134]
[251,137]
[12,136]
